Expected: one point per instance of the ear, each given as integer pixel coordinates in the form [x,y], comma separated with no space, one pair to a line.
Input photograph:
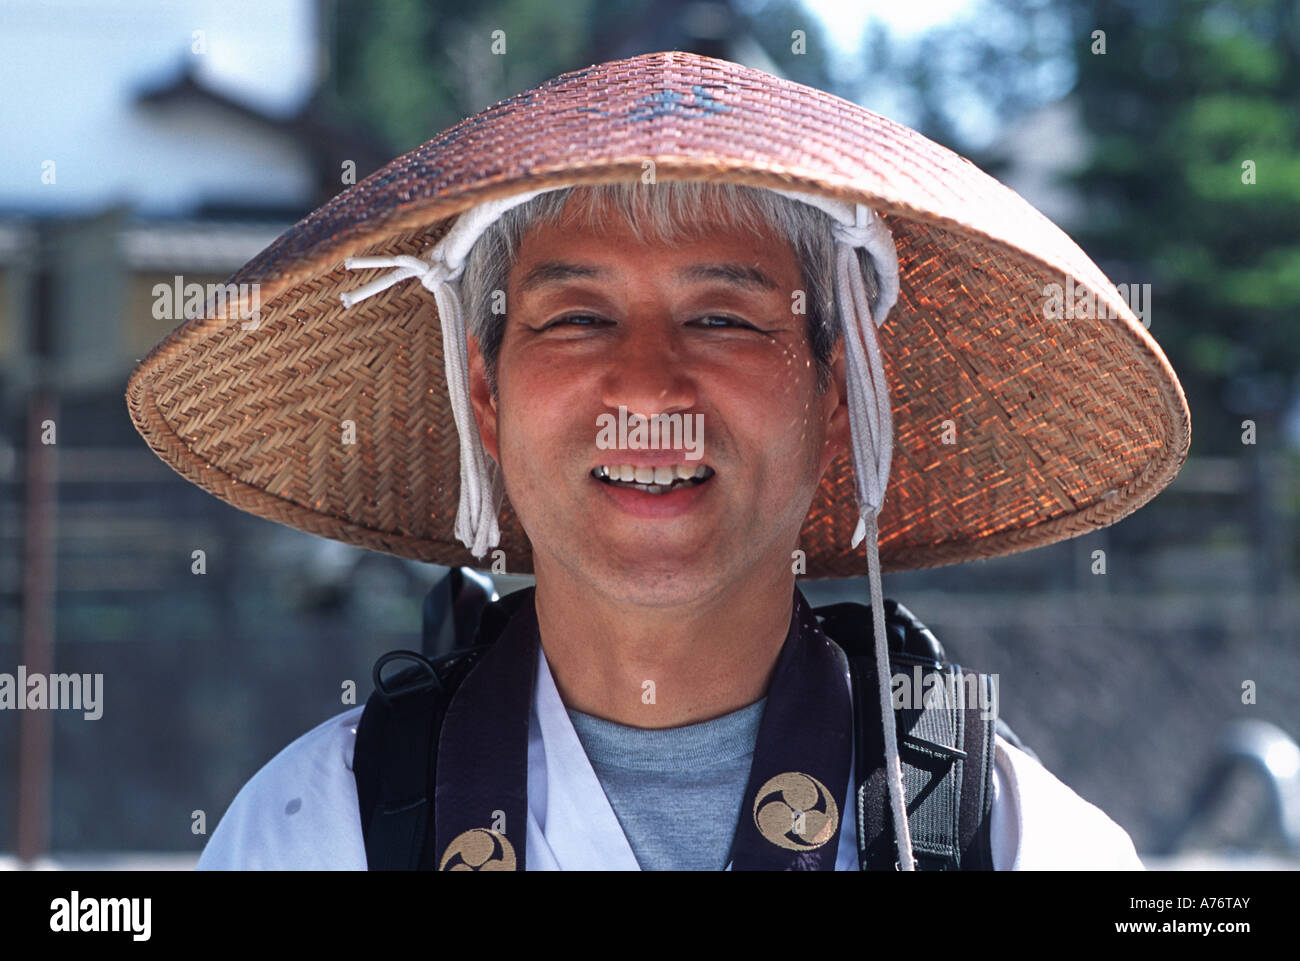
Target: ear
[480,395]
[835,409]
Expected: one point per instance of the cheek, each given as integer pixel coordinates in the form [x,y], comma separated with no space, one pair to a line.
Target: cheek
[781,422]
[540,412]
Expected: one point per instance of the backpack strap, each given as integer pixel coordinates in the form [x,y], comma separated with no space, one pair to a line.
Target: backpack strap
[945,750]
[452,609]
[395,760]
[396,756]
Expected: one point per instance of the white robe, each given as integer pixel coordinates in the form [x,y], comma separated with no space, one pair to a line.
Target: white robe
[300,810]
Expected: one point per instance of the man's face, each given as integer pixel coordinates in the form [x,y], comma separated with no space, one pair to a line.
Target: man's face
[597,321]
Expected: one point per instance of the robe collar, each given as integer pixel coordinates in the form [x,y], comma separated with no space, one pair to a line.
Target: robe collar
[516,789]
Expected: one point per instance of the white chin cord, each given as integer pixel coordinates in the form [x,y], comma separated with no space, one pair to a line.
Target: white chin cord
[870,423]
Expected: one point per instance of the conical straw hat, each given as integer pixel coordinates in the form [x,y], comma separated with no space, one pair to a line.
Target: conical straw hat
[1014,427]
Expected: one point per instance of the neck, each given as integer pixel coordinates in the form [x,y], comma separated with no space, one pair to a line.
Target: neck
[660,667]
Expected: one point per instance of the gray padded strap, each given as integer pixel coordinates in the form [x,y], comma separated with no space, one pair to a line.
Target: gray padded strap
[932,771]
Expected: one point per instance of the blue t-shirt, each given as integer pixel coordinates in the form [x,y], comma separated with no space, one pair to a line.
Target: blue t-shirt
[676,791]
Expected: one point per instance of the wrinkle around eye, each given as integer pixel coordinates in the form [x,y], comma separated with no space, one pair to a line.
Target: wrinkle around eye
[566,321]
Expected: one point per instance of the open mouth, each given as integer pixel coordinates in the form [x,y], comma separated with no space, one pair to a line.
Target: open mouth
[652,480]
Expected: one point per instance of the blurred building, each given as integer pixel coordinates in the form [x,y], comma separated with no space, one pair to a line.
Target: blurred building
[148,149]
[171,158]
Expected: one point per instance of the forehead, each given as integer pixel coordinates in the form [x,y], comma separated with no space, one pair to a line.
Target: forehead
[594,242]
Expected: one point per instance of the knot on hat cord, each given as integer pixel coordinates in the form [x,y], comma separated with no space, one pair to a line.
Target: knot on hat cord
[480,488]
[872,439]
[870,420]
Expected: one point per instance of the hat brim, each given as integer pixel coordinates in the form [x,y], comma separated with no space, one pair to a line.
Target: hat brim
[1013,428]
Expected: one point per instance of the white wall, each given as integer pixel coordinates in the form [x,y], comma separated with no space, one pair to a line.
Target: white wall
[70,71]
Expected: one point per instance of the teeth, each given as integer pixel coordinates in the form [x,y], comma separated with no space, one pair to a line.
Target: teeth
[653,480]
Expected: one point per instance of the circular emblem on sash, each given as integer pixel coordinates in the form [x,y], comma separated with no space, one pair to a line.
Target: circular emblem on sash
[795,811]
[478,849]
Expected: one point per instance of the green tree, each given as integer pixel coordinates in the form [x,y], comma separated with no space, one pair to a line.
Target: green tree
[1192,178]
[1194,181]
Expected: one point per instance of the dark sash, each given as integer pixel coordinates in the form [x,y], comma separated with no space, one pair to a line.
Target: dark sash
[794,801]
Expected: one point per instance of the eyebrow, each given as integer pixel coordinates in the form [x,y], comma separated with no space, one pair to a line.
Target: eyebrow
[737,275]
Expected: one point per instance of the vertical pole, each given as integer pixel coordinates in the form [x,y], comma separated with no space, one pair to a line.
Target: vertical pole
[40,501]
[34,727]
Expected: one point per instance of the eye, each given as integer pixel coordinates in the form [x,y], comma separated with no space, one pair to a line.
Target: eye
[725,322]
[709,322]
[574,320]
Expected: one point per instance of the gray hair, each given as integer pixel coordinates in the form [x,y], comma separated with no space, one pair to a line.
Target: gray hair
[668,212]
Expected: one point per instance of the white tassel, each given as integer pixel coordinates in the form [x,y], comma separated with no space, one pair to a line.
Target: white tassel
[872,435]
[439,271]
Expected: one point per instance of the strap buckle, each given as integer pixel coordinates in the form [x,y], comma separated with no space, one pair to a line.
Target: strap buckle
[429,683]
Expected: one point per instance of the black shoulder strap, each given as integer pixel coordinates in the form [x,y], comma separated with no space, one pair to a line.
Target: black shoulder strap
[396,755]
[395,759]
[945,749]
[452,610]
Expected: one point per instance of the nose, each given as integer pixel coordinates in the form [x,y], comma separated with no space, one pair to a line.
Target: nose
[647,375]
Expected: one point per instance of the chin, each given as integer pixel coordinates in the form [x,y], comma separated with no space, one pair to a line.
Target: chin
[642,576]
[653,587]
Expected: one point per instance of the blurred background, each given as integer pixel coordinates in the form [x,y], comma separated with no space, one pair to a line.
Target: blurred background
[149,140]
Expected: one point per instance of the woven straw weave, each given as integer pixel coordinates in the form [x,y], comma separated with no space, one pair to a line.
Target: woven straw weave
[1062,426]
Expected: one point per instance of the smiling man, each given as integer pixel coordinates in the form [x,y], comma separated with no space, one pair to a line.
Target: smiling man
[665,697]
[697,322]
